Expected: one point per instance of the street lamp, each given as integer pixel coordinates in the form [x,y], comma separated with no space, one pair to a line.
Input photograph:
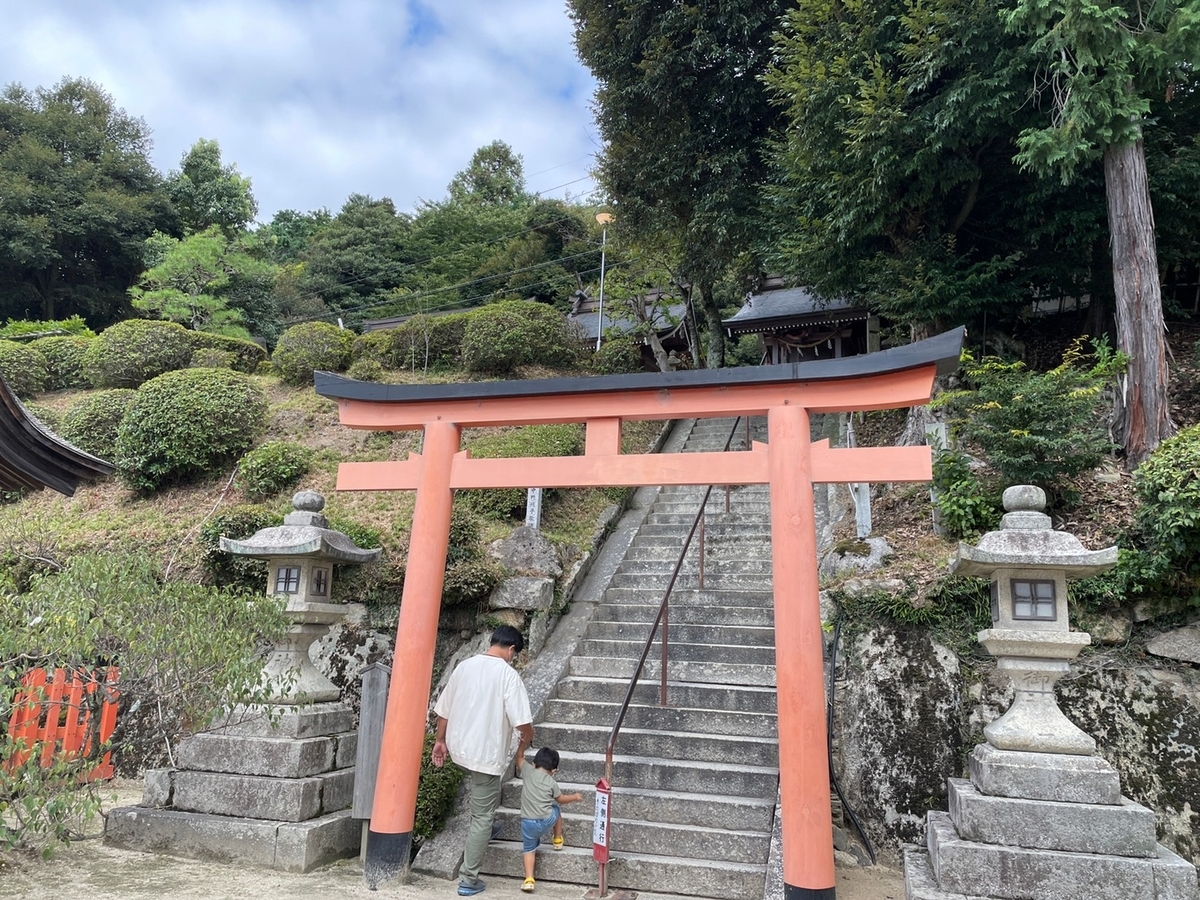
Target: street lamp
[603,219]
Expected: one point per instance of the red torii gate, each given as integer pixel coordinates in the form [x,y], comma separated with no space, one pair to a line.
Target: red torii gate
[790,464]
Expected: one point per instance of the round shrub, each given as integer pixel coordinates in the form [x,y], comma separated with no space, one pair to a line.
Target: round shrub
[502,336]
[273,467]
[310,346]
[1168,484]
[186,424]
[246,355]
[91,422]
[365,370]
[425,339]
[236,523]
[208,358]
[64,360]
[51,420]
[23,368]
[620,356]
[132,352]
[373,345]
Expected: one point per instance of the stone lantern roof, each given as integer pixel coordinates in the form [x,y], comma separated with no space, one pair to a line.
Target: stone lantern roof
[1026,540]
[304,533]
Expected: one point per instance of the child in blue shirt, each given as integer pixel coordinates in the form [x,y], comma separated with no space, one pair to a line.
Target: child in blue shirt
[540,799]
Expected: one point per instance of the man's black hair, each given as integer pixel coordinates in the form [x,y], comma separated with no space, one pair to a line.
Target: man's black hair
[507,636]
[546,759]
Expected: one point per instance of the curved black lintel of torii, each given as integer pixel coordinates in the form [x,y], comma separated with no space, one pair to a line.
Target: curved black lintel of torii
[941,351]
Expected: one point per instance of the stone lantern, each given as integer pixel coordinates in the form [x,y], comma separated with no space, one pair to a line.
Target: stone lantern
[301,554]
[1029,564]
[1041,816]
[270,785]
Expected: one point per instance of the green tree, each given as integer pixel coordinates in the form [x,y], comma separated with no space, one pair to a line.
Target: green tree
[684,116]
[895,181]
[78,196]
[1102,62]
[191,281]
[205,192]
[495,176]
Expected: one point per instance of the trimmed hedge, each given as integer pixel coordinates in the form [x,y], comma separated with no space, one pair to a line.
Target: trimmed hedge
[187,424]
[64,360]
[246,354]
[502,336]
[23,368]
[132,352]
[365,370]
[620,356]
[445,336]
[310,346]
[92,422]
[534,440]
[273,467]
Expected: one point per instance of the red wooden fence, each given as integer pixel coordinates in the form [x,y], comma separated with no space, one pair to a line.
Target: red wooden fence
[51,717]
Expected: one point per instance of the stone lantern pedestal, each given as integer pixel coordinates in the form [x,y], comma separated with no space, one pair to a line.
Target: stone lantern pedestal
[1041,816]
[271,785]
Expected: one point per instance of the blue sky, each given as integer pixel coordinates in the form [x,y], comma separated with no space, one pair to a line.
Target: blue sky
[317,100]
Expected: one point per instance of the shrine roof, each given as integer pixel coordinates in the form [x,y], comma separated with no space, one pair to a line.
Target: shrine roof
[774,309]
[32,457]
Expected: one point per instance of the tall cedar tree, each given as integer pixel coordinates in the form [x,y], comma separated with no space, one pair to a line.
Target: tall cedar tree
[684,116]
[1103,62]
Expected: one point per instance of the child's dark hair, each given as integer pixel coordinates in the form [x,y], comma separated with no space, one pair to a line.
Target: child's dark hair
[546,759]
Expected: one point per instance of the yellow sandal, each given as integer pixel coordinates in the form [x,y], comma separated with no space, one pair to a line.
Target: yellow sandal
[528,886]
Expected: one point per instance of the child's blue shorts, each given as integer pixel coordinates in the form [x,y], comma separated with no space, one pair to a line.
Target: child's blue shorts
[532,830]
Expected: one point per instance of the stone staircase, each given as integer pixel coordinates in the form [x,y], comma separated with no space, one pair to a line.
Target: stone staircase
[695,784]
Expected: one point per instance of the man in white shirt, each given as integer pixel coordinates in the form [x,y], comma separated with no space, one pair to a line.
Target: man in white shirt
[483,704]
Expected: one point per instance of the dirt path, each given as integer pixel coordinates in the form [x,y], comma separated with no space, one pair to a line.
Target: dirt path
[89,870]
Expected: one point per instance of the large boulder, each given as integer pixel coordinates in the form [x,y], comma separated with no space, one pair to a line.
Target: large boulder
[527,552]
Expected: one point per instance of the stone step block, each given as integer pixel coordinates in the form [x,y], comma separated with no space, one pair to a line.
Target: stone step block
[1044,776]
[250,755]
[638,871]
[285,846]
[749,531]
[743,565]
[677,670]
[261,797]
[690,582]
[728,632]
[1016,873]
[683,613]
[1125,830]
[919,883]
[681,652]
[313,720]
[664,718]
[660,774]
[716,696]
[714,552]
[634,835]
[676,745]
[667,807]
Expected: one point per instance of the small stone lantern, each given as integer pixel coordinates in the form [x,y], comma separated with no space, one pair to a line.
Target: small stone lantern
[301,554]
[1029,563]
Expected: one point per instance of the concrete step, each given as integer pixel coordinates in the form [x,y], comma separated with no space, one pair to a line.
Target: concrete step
[638,871]
[660,774]
[680,652]
[632,836]
[713,552]
[722,581]
[678,670]
[729,632]
[665,718]
[685,518]
[666,807]
[715,530]
[713,565]
[674,745]
[691,596]
[683,613]
[747,698]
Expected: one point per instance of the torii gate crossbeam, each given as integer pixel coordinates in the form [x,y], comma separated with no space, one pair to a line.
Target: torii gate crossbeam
[789,464]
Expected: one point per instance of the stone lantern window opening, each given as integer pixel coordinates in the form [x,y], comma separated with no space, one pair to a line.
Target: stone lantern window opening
[320,582]
[994,590]
[287,580]
[1034,600]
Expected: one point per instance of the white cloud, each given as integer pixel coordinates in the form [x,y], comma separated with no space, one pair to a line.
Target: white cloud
[315,101]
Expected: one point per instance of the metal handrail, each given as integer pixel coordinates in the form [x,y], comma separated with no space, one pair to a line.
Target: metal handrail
[662,617]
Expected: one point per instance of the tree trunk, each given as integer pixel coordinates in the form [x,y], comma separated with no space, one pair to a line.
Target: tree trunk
[715,357]
[1143,408]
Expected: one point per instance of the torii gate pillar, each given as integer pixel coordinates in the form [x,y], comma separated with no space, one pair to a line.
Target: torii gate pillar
[790,464]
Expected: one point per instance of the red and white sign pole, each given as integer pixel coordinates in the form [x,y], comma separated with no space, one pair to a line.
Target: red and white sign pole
[600,831]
